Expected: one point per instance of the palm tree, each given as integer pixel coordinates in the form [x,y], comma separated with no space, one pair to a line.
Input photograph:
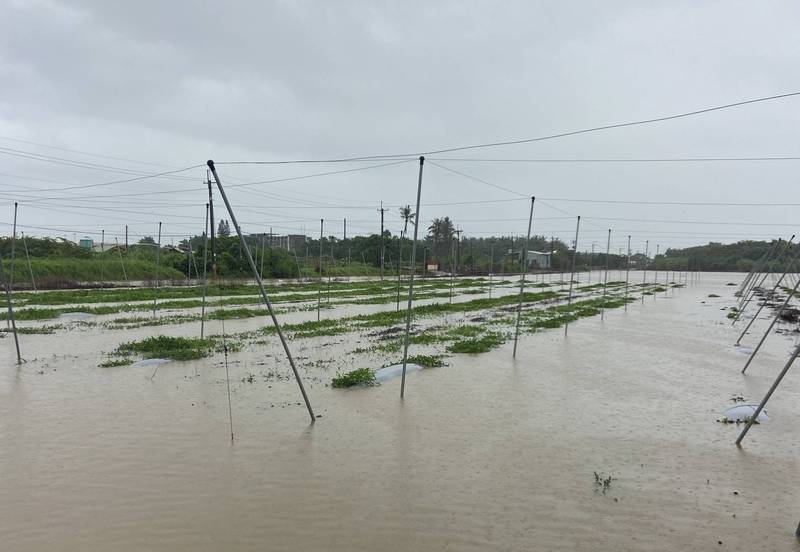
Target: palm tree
[441,230]
[406,214]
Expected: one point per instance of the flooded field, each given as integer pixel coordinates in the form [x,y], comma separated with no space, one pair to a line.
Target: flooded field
[605,439]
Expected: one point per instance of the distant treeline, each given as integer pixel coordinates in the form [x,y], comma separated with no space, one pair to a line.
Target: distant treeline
[718,257]
[60,262]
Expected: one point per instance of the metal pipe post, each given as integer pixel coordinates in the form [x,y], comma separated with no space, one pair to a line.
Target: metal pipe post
[771,325]
[523,268]
[771,293]
[761,283]
[766,398]
[411,280]
[10,309]
[263,291]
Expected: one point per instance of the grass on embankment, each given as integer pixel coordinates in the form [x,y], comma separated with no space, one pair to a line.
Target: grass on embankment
[48,271]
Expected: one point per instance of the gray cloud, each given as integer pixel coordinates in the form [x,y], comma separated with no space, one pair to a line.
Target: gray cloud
[176,83]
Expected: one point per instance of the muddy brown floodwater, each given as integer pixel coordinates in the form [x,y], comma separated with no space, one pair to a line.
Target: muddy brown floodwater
[484,454]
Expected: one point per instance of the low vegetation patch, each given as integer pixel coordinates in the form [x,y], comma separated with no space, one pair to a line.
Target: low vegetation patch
[361,376]
[479,345]
[175,348]
[427,361]
[113,362]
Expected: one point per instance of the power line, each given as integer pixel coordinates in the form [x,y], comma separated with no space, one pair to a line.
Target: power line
[537,139]
[736,223]
[682,203]
[618,159]
[19,140]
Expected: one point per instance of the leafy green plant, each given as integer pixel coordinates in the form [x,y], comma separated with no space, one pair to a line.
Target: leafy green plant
[427,361]
[113,362]
[360,376]
[481,345]
[175,348]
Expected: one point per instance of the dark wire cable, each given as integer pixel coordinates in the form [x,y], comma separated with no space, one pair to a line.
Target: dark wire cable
[530,140]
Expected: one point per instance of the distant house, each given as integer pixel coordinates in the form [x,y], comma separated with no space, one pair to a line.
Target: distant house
[86,243]
[432,266]
[537,259]
[100,247]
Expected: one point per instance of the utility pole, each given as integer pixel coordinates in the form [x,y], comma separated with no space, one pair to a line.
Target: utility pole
[458,248]
[383,246]
[211,227]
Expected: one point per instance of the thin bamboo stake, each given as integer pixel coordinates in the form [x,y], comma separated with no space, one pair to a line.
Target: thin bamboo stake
[627,273]
[644,275]
[399,269]
[10,307]
[452,266]
[605,277]
[411,280]
[121,261]
[227,378]
[13,249]
[263,291]
[572,275]
[205,275]
[28,256]
[523,268]
[655,268]
[491,268]
[102,255]
[158,261]
[319,287]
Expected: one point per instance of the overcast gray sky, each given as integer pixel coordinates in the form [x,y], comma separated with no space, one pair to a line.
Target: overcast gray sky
[159,85]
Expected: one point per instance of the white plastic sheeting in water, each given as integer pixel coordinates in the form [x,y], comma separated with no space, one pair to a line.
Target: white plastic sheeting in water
[395,371]
[76,315]
[743,412]
[150,362]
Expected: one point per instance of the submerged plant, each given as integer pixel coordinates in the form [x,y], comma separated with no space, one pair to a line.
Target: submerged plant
[175,348]
[427,361]
[360,376]
[480,345]
[602,483]
[113,362]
